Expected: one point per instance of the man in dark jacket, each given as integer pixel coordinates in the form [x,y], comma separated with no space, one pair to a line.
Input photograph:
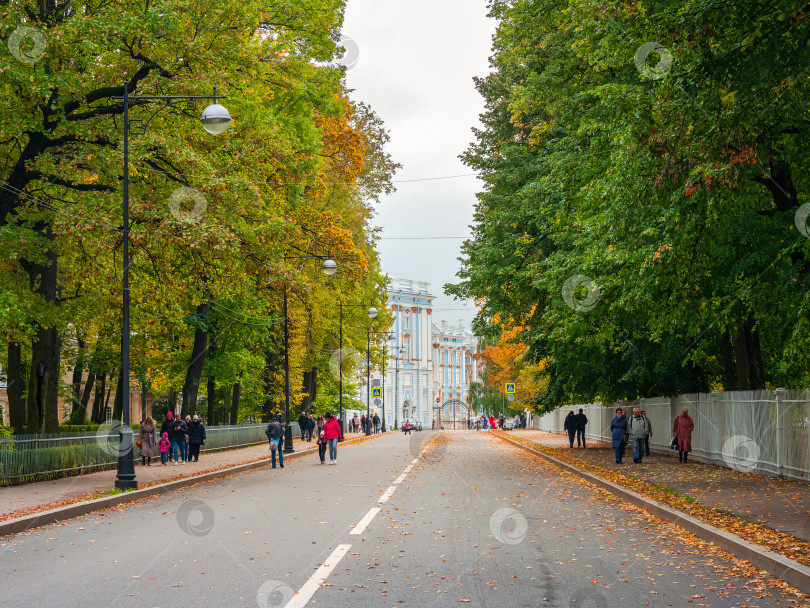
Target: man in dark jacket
[196,438]
[275,433]
[302,425]
[178,439]
[580,420]
[168,425]
[376,420]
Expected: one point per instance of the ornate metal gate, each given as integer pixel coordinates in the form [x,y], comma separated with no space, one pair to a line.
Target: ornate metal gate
[452,414]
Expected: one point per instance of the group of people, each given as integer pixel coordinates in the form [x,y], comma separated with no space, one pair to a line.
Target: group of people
[365,423]
[310,426]
[638,430]
[574,424]
[328,435]
[180,440]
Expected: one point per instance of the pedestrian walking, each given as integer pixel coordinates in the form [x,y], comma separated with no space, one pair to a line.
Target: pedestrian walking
[407,427]
[376,420]
[332,432]
[164,447]
[570,425]
[147,439]
[618,427]
[682,428]
[275,437]
[196,438]
[310,426]
[363,422]
[356,423]
[319,424]
[580,420]
[302,424]
[649,433]
[322,447]
[637,429]
[492,422]
[168,425]
[178,437]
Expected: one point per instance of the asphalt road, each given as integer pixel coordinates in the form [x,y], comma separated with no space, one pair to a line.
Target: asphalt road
[469,521]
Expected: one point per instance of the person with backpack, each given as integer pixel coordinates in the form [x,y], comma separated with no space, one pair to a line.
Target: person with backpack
[637,428]
[580,420]
[331,433]
[569,425]
[275,435]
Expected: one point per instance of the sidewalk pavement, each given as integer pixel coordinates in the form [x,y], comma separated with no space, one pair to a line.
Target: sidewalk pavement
[778,504]
[32,496]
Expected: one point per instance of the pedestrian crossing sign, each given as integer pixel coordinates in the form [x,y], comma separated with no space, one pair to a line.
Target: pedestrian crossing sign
[510,388]
[376,393]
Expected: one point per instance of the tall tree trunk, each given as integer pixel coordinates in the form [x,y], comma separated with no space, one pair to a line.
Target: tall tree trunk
[756,368]
[172,401]
[211,384]
[309,387]
[118,404]
[76,413]
[14,390]
[270,364]
[85,398]
[741,359]
[43,400]
[95,416]
[237,393]
[727,359]
[191,387]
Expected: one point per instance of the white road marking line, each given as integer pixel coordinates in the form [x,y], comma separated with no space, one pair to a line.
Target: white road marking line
[387,494]
[400,478]
[415,460]
[309,588]
[358,529]
[408,468]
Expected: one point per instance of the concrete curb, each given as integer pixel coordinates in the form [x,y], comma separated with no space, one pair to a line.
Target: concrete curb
[777,565]
[21,524]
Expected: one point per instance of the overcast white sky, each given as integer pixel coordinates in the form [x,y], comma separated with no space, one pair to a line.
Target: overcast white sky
[415,68]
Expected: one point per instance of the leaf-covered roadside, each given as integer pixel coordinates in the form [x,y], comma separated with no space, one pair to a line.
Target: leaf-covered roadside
[773,540]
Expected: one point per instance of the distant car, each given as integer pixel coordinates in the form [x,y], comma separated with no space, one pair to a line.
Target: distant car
[509,425]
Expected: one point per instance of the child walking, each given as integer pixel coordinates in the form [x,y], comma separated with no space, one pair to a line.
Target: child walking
[321,447]
[164,446]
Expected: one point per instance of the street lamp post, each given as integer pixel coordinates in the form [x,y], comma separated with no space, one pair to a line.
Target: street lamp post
[329,267]
[215,119]
[372,314]
[400,352]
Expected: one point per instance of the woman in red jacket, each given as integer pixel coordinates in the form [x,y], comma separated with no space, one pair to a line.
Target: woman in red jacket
[331,433]
[682,429]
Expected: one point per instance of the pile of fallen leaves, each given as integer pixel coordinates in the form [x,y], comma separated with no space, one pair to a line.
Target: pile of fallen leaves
[779,542]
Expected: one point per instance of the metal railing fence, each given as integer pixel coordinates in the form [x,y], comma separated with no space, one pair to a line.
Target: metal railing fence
[27,458]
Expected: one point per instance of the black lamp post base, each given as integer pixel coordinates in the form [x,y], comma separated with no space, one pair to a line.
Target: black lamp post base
[288,440]
[126,484]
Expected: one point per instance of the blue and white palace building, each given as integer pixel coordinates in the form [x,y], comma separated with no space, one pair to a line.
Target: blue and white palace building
[430,364]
